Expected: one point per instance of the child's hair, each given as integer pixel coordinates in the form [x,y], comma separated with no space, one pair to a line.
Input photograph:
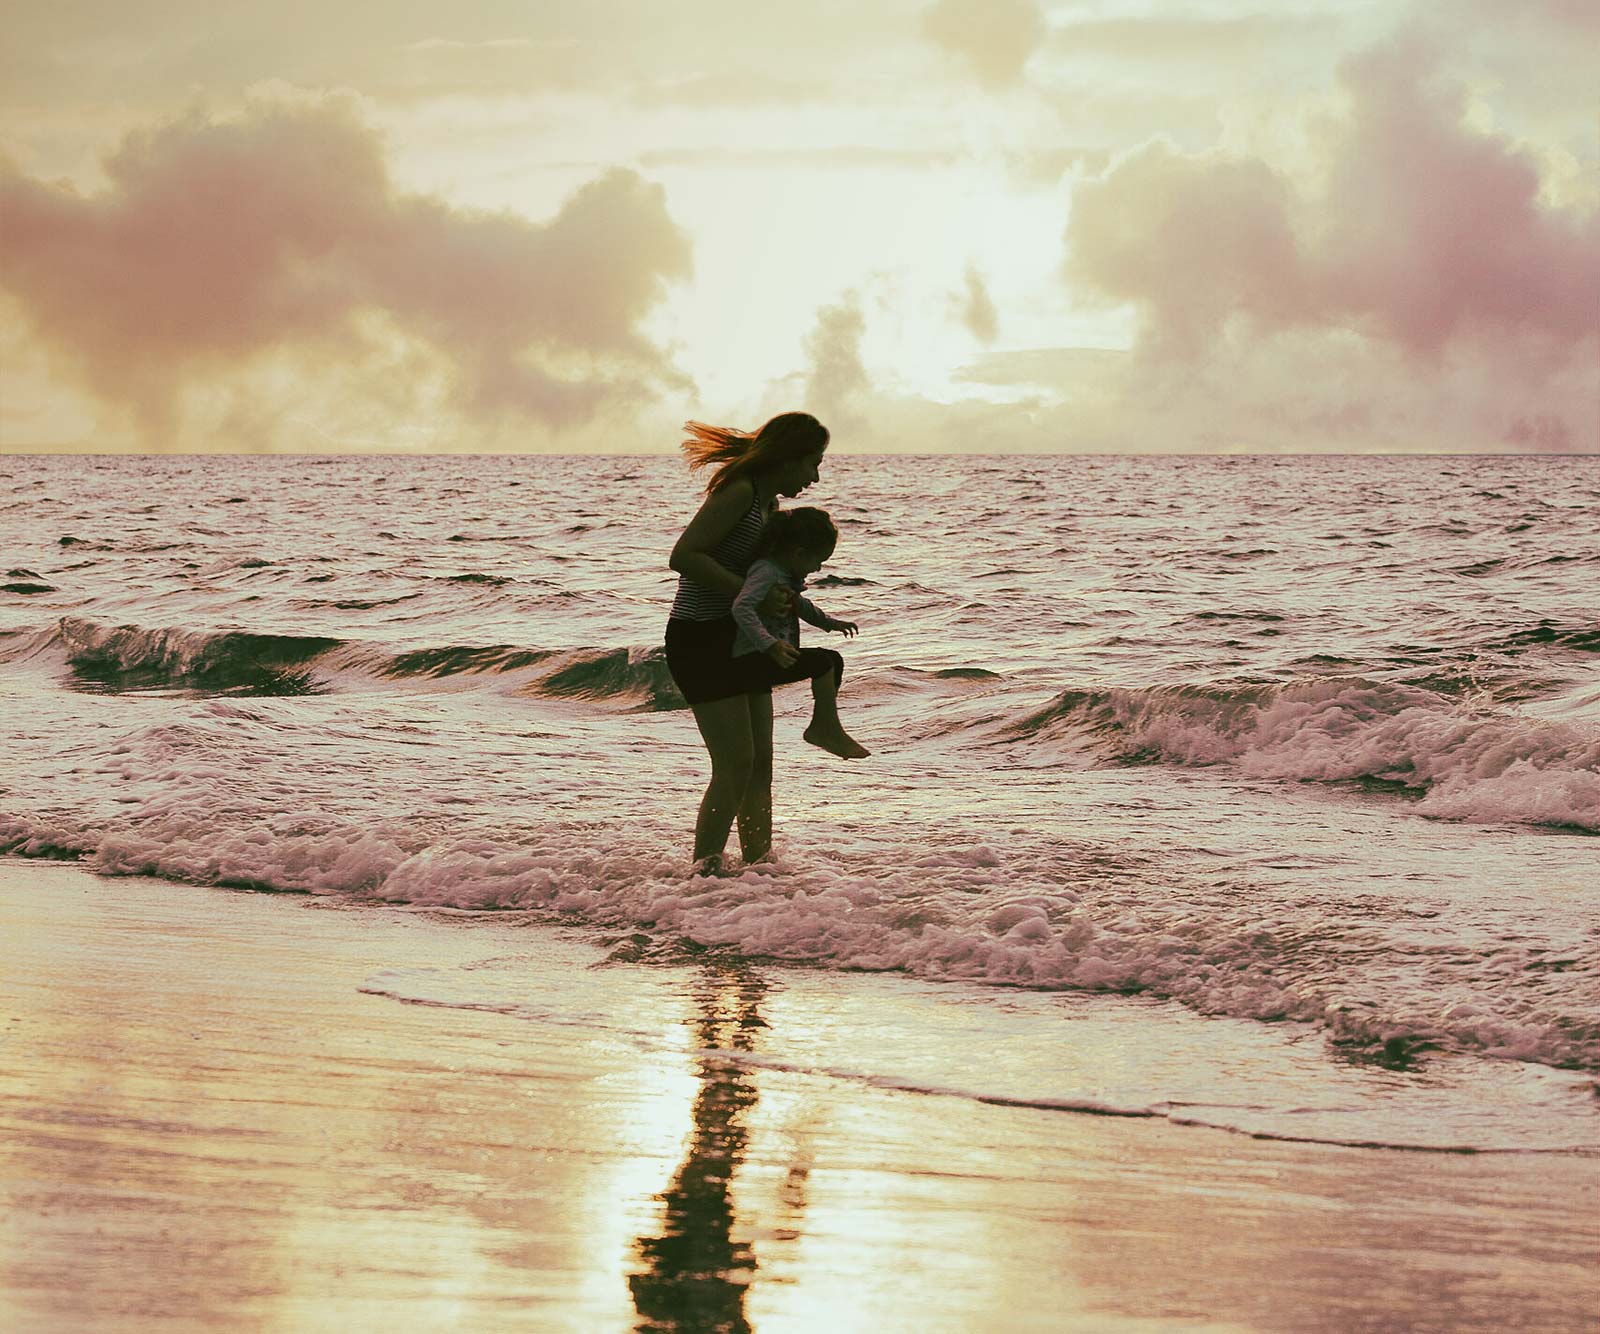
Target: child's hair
[789,435]
[805,527]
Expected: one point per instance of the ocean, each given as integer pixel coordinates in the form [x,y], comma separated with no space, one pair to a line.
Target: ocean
[1258,793]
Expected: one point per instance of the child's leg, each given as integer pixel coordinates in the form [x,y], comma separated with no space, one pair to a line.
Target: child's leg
[826,730]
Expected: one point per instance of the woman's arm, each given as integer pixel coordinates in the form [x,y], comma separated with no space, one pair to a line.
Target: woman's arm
[719,516]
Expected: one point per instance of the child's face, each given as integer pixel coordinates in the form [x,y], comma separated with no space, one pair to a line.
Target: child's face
[801,561]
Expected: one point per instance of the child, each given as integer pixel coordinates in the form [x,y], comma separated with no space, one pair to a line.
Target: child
[795,544]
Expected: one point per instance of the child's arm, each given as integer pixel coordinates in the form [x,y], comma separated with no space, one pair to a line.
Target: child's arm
[812,614]
[746,607]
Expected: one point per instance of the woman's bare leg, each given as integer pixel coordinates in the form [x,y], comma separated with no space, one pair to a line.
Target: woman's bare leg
[755,811]
[826,730]
[725,728]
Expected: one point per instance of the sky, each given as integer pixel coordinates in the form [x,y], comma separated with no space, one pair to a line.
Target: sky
[941,225]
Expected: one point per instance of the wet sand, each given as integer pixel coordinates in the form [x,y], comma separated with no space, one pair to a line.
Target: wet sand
[205,1123]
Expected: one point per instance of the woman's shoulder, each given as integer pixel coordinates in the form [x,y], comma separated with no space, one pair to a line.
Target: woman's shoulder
[746,497]
[734,497]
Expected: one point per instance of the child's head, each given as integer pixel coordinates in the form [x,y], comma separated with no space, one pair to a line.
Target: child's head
[800,539]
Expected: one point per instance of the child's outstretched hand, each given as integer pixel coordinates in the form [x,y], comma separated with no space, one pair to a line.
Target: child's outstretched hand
[848,629]
[783,653]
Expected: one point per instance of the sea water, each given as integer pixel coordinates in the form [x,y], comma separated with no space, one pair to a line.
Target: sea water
[1253,792]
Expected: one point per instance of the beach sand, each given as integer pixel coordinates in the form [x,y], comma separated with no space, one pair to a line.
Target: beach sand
[206,1123]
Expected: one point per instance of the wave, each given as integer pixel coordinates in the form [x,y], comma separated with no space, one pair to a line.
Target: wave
[959,913]
[121,658]
[617,676]
[1579,638]
[1465,763]
[126,658]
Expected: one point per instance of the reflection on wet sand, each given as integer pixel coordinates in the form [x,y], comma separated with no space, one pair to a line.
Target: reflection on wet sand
[204,1123]
[695,1273]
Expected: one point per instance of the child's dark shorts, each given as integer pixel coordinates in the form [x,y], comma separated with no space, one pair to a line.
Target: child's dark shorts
[700,658]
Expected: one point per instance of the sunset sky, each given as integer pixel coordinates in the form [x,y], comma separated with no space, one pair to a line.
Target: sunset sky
[993,225]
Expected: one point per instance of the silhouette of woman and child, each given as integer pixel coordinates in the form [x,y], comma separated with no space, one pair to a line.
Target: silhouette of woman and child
[733,632]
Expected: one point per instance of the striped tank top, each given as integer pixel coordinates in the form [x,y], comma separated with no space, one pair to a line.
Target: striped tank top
[696,602]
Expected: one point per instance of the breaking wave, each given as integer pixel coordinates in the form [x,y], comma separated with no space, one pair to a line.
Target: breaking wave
[1464,763]
[136,658]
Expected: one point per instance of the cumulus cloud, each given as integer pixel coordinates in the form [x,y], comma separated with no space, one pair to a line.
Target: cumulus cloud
[1433,227]
[1421,235]
[994,38]
[836,379]
[1193,240]
[221,243]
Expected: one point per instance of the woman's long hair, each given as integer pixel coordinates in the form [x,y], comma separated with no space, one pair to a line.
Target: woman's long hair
[789,435]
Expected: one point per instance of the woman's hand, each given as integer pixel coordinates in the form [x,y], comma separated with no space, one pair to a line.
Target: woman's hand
[779,601]
[783,653]
[846,628]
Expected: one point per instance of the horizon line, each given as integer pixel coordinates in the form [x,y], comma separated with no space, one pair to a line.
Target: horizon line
[73,452]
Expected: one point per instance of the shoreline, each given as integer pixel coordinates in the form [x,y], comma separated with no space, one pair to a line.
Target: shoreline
[208,1123]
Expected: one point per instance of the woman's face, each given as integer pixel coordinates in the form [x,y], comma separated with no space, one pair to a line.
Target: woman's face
[796,475]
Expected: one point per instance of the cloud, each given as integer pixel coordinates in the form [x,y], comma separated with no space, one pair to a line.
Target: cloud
[222,244]
[865,157]
[836,379]
[1422,229]
[977,310]
[1188,39]
[1193,240]
[1419,237]
[995,38]
[1434,228]
[1558,15]
[731,87]
[508,66]
[1046,367]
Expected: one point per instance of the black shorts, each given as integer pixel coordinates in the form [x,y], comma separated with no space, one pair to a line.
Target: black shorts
[700,658]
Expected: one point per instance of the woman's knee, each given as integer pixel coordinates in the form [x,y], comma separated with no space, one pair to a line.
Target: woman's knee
[733,768]
[725,729]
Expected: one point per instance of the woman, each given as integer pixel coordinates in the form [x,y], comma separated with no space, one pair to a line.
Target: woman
[732,704]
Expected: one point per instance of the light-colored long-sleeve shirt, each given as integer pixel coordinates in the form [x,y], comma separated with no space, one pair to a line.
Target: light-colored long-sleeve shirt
[758,633]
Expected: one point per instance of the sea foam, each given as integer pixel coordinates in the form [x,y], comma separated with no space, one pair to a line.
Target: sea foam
[960,913]
[1467,763]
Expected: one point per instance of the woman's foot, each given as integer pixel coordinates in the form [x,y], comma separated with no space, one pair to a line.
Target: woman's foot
[836,741]
[711,865]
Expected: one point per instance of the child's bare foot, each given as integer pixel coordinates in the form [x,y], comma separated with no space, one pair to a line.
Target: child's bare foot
[836,741]
[711,865]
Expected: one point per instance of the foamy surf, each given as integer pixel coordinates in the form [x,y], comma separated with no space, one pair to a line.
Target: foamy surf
[1466,761]
[1076,920]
